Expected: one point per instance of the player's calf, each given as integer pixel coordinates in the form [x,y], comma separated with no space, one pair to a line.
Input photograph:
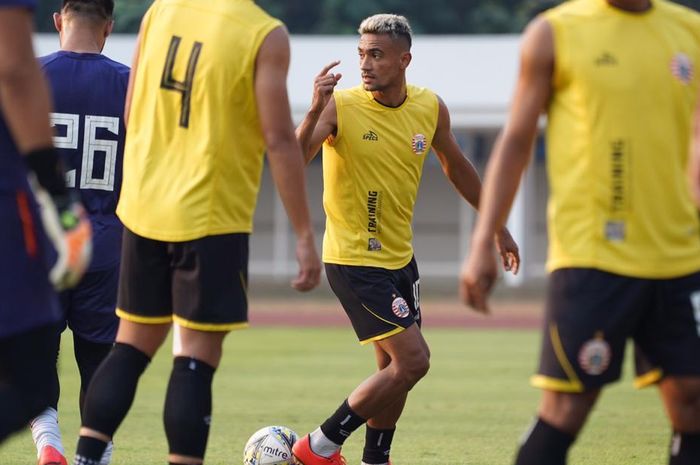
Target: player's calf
[188,408]
[682,398]
[108,400]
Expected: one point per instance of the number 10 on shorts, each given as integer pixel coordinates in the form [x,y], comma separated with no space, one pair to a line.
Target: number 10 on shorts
[695,301]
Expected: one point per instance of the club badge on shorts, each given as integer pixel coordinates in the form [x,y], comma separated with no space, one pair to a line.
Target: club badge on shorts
[594,356]
[400,307]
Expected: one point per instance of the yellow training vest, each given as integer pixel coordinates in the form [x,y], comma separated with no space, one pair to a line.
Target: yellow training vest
[371,172]
[619,130]
[194,148]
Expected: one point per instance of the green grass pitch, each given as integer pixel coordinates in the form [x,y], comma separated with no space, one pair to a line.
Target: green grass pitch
[470,410]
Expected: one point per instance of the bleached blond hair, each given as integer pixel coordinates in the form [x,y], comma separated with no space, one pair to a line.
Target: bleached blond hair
[394,25]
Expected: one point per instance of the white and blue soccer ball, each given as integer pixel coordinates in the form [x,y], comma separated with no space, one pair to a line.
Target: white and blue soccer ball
[271,445]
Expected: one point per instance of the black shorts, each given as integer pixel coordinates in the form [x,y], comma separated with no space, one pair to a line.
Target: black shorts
[590,315]
[199,284]
[379,302]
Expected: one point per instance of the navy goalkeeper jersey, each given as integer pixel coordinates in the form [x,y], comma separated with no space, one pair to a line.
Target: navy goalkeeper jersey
[89,91]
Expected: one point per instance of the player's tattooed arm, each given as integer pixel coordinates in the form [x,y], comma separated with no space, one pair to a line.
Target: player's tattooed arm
[321,121]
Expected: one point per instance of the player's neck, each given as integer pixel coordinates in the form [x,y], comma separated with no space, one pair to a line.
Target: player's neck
[635,6]
[392,97]
[82,42]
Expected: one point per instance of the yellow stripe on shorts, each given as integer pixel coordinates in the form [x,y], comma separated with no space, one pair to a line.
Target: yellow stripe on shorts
[213,327]
[147,320]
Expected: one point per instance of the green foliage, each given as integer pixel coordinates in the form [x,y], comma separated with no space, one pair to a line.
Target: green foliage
[343,16]
[128,14]
[471,409]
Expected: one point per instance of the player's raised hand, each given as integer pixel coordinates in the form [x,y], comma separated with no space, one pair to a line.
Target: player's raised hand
[477,277]
[508,249]
[324,83]
[309,265]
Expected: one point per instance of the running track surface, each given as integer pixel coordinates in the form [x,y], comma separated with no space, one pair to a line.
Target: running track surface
[508,313]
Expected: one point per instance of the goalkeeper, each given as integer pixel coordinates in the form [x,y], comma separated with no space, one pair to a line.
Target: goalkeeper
[28,304]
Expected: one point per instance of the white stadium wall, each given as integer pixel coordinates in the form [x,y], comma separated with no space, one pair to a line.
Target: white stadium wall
[474,75]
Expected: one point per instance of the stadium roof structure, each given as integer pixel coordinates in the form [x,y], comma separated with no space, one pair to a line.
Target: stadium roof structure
[474,74]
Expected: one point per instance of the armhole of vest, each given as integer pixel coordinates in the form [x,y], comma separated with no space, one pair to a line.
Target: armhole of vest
[436,102]
[262,35]
[338,97]
[558,46]
[146,23]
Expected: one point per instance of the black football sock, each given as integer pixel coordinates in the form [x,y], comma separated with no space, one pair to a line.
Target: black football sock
[545,445]
[109,397]
[89,451]
[685,449]
[88,355]
[187,413]
[377,445]
[339,426]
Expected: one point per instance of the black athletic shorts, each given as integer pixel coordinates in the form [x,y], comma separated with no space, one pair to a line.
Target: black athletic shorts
[379,302]
[199,284]
[590,315]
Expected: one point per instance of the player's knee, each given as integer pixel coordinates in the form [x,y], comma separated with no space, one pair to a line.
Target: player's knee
[683,402]
[566,411]
[113,388]
[412,371]
[422,367]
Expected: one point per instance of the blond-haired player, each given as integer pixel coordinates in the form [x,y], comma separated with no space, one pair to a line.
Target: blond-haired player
[375,139]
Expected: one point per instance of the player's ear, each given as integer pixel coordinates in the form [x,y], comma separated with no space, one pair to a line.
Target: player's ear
[109,27]
[58,21]
[405,59]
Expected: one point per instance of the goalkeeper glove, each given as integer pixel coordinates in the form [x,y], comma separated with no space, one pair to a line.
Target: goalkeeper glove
[64,218]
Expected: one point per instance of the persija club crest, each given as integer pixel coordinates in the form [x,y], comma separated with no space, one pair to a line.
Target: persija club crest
[419,144]
[400,308]
[594,356]
[682,68]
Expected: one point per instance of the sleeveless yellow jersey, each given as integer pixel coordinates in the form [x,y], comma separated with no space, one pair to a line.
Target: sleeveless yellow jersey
[371,171]
[194,149]
[619,130]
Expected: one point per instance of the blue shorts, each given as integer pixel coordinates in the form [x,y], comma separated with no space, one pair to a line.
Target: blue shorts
[89,308]
[27,299]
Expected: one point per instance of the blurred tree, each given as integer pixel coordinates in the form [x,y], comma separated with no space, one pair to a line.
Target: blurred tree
[344,16]
[128,14]
[43,14]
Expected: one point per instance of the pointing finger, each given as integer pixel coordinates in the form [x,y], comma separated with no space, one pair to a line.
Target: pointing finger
[329,67]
